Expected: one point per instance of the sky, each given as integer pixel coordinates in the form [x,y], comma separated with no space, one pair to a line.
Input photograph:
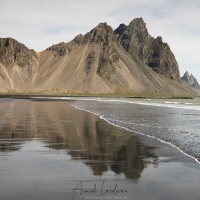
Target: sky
[41,23]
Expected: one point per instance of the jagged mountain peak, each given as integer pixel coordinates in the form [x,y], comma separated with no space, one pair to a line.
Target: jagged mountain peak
[192,77]
[13,44]
[186,76]
[138,28]
[159,39]
[102,33]
[9,42]
[136,40]
[190,80]
[12,51]
[137,22]
[6,42]
[122,26]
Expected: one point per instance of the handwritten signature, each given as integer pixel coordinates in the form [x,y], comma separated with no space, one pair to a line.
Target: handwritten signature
[101,191]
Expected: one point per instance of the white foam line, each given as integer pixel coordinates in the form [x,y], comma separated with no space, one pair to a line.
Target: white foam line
[168,105]
[165,104]
[66,98]
[101,117]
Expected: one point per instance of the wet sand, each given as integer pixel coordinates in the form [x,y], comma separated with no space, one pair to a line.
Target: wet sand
[50,150]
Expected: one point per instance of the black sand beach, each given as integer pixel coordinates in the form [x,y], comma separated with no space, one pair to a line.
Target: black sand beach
[50,150]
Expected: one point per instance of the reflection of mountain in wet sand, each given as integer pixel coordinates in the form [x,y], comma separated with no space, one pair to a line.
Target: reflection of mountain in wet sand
[85,136]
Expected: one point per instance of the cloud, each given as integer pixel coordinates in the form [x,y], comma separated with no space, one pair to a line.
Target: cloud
[40,24]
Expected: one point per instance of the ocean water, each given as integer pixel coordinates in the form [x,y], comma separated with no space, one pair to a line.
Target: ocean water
[50,150]
[172,121]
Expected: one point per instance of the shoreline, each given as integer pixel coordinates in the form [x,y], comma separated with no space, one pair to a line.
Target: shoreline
[24,96]
[139,133]
[65,98]
[79,151]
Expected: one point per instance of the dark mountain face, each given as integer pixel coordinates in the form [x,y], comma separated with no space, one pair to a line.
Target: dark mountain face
[153,52]
[13,52]
[190,80]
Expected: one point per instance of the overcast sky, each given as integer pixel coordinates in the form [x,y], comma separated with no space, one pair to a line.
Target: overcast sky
[41,23]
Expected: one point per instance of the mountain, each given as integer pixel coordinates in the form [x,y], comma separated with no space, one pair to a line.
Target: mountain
[94,63]
[153,52]
[190,80]
[17,65]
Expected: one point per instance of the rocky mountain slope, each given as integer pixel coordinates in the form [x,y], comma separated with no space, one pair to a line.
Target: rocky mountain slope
[153,52]
[17,65]
[94,63]
[190,80]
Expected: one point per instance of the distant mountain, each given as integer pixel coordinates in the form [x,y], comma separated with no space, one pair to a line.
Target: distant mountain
[153,52]
[94,64]
[190,80]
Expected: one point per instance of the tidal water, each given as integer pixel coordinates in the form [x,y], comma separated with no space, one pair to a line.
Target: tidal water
[51,150]
[176,122]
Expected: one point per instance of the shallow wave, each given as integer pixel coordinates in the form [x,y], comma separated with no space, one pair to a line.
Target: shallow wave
[178,135]
[180,138]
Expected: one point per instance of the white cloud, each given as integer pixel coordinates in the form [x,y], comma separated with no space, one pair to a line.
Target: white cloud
[40,24]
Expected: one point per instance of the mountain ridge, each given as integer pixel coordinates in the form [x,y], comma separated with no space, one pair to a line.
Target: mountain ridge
[94,63]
